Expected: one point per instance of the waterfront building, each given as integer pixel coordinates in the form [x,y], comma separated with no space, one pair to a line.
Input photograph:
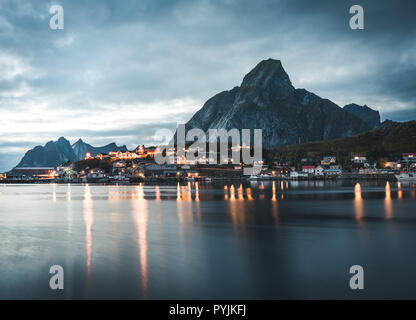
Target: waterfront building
[119,166]
[359,159]
[319,171]
[156,170]
[88,156]
[96,173]
[369,171]
[298,175]
[411,157]
[29,173]
[60,170]
[284,170]
[143,152]
[308,169]
[394,165]
[103,156]
[332,172]
[328,160]
[335,167]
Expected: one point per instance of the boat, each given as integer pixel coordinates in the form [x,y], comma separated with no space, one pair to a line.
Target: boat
[406,177]
[261,177]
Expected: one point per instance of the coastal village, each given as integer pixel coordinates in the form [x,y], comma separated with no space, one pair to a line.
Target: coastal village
[139,165]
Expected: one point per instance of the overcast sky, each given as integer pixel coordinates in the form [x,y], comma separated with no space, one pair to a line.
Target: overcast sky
[122,69]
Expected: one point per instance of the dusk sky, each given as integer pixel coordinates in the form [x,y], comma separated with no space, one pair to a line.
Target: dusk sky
[120,70]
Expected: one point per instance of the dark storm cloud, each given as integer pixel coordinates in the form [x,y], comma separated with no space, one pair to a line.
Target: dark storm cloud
[137,49]
[114,54]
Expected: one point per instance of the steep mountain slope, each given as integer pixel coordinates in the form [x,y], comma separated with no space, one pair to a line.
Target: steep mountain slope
[53,153]
[365,113]
[267,100]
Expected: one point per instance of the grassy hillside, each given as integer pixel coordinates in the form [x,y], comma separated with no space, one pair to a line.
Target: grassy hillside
[388,141]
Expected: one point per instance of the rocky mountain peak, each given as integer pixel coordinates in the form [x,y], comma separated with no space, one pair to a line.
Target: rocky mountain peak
[63,139]
[267,100]
[271,76]
[365,113]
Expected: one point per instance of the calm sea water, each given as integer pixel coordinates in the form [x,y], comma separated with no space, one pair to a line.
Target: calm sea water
[250,241]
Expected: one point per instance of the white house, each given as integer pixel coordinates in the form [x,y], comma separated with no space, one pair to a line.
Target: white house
[359,159]
[319,171]
[295,175]
[328,160]
[308,169]
[333,172]
[96,173]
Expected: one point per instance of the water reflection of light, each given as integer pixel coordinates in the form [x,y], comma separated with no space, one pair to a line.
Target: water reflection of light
[274,191]
[225,192]
[189,193]
[54,192]
[140,217]
[387,202]
[118,193]
[274,204]
[198,205]
[69,208]
[185,213]
[88,214]
[178,192]
[248,192]
[197,191]
[358,202]
[232,192]
[400,191]
[282,187]
[238,215]
[240,193]
[157,189]
[68,193]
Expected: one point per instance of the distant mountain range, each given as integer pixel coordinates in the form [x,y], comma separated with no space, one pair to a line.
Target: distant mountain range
[81,149]
[266,99]
[58,152]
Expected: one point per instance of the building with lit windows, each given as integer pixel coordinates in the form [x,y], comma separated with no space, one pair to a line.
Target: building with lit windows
[22,173]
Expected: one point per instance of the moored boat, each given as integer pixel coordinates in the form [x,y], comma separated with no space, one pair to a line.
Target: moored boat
[406,177]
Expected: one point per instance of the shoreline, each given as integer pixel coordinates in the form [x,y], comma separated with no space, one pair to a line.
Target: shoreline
[352,177]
